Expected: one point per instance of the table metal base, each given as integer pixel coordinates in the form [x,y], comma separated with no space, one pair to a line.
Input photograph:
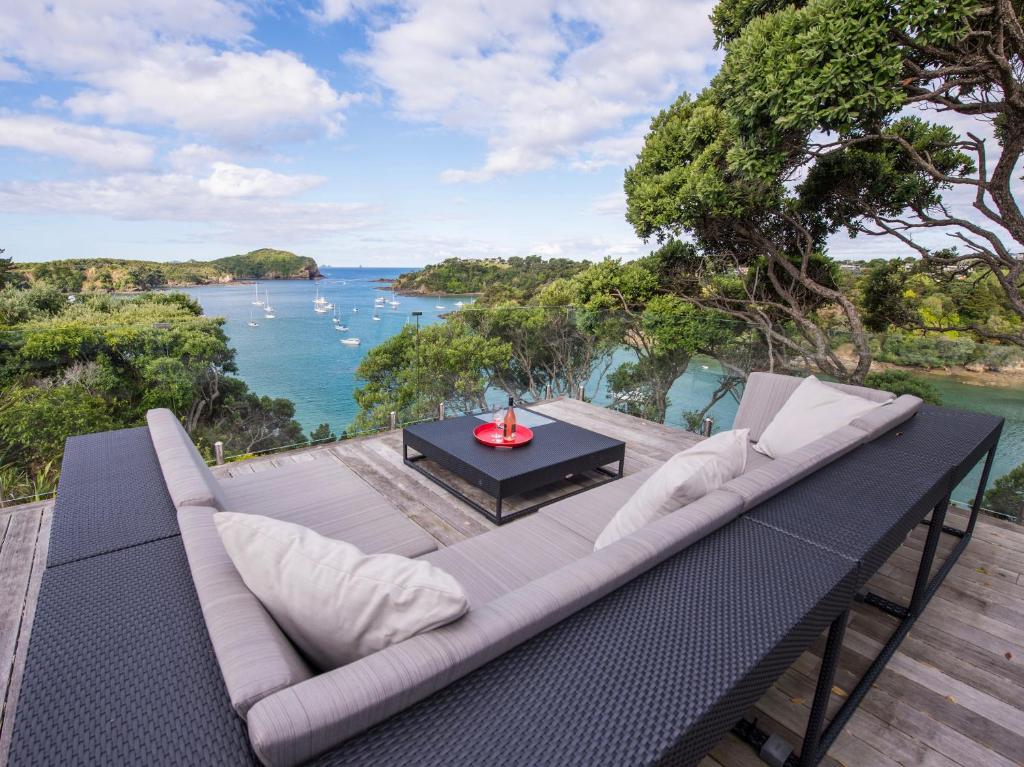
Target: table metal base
[496,515]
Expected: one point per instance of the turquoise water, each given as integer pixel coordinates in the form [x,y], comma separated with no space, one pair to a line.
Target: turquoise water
[298,355]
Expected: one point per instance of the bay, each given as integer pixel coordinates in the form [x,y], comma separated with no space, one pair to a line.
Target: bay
[298,355]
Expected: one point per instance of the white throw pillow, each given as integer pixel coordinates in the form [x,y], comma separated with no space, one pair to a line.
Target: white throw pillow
[684,478]
[813,410]
[334,602]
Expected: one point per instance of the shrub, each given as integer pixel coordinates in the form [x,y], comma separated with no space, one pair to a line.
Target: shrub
[900,382]
[1007,495]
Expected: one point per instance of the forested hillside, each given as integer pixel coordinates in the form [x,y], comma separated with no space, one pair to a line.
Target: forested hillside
[514,278]
[93,275]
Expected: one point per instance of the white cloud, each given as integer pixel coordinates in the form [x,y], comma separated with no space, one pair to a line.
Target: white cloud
[104,147]
[613,204]
[330,11]
[151,61]
[542,82]
[11,72]
[231,95]
[71,37]
[188,198]
[230,180]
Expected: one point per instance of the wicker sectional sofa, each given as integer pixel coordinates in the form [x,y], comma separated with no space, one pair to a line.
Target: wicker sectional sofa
[521,579]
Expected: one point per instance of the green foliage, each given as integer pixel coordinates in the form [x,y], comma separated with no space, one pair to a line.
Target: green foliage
[35,421]
[513,279]
[100,362]
[901,382]
[882,296]
[109,274]
[267,263]
[411,373]
[937,351]
[322,433]
[623,304]
[1006,496]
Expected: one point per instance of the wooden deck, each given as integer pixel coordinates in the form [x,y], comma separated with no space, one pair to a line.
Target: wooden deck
[952,695]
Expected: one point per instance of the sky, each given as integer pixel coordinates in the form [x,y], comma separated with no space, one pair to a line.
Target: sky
[352,131]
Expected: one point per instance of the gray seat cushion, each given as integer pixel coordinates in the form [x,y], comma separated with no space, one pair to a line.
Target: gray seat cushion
[587,514]
[880,420]
[255,657]
[188,479]
[326,496]
[765,393]
[293,725]
[501,560]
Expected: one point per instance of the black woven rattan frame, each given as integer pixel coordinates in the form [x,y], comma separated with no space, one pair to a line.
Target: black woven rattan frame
[120,668]
[111,496]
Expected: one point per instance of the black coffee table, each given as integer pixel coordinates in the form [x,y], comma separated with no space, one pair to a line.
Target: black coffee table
[557,451]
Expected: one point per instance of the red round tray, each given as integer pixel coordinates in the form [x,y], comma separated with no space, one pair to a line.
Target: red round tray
[485,433]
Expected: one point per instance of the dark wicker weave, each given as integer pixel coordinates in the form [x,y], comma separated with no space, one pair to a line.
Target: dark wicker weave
[120,669]
[656,672]
[111,496]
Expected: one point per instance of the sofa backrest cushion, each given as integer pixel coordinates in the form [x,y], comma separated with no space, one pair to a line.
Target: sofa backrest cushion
[294,725]
[686,477]
[188,478]
[336,603]
[255,657]
[813,410]
[880,420]
[766,393]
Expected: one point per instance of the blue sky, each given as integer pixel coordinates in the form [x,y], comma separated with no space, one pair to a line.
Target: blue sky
[353,131]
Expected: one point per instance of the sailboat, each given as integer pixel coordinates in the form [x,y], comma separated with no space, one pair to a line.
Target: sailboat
[252,323]
[439,306]
[379,300]
[335,319]
[341,327]
[355,308]
[256,294]
[459,304]
[394,301]
[268,310]
[350,341]
[376,317]
[319,300]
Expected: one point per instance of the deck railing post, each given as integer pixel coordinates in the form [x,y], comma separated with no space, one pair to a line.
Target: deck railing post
[583,392]
[218,451]
[392,420]
[547,391]
[440,411]
[707,426]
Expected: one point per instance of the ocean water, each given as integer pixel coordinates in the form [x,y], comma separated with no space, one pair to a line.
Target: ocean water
[298,355]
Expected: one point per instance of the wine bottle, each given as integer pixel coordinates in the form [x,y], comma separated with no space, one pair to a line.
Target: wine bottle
[509,430]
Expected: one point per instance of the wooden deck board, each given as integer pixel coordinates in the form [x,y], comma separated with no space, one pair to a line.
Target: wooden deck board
[952,696]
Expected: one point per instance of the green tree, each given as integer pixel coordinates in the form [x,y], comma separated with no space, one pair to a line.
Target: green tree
[1006,496]
[624,304]
[837,91]
[63,275]
[901,382]
[883,289]
[759,254]
[322,433]
[412,372]
[35,422]
[550,346]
